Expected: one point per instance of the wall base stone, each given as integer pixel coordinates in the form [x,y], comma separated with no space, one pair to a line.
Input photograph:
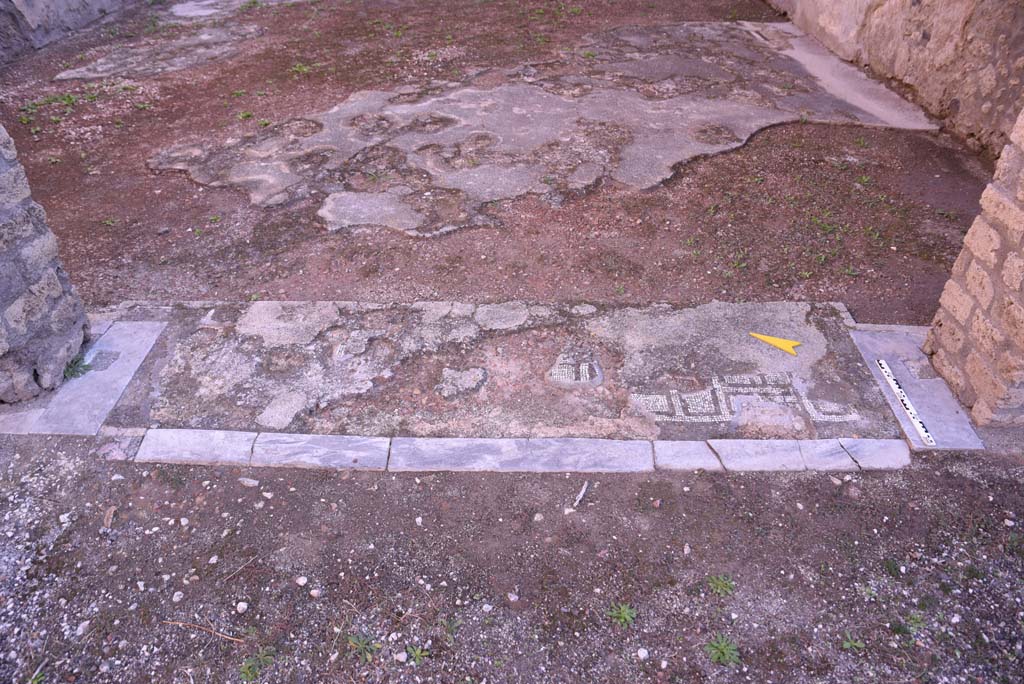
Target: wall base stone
[42,320]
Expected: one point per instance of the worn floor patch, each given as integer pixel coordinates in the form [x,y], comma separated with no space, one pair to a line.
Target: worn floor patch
[158,56]
[511,369]
[627,106]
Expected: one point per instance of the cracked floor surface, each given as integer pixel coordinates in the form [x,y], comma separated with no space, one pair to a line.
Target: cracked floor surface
[510,369]
[285,183]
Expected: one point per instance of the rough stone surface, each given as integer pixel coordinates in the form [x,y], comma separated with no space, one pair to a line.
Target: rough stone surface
[455,382]
[42,322]
[432,160]
[962,59]
[980,321]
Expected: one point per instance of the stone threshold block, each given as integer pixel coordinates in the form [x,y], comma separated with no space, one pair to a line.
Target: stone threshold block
[197,447]
[331,452]
[82,404]
[685,455]
[878,454]
[520,455]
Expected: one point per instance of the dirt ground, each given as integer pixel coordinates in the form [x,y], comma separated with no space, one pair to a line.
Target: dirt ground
[806,212]
[912,576]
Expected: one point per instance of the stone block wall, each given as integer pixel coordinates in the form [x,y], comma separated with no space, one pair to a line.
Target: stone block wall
[963,60]
[42,321]
[977,338]
[29,24]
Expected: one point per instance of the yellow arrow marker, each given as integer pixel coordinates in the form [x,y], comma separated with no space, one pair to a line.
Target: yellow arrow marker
[788,346]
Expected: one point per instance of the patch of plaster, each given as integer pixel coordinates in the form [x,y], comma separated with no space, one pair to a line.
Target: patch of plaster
[156,56]
[629,107]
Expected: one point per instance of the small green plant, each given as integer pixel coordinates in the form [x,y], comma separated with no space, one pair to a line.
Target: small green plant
[264,123]
[245,116]
[363,646]
[892,568]
[76,368]
[722,650]
[214,219]
[143,106]
[589,54]
[417,654]
[852,644]
[300,69]
[237,93]
[451,626]
[109,222]
[721,585]
[251,5]
[252,666]
[622,614]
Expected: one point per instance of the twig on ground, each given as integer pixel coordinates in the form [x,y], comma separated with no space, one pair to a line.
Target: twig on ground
[583,492]
[242,567]
[205,629]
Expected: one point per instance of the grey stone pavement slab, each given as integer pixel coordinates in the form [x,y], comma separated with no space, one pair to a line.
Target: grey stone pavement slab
[426,454]
[197,447]
[520,455]
[81,404]
[941,413]
[878,454]
[759,454]
[825,454]
[685,456]
[592,455]
[320,451]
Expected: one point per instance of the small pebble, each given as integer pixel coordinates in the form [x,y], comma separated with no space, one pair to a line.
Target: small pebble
[301,580]
[488,607]
[241,607]
[642,653]
[213,559]
[248,482]
[177,597]
[315,593]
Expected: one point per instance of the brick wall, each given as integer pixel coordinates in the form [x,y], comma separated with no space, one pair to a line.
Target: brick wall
[42,322]
[977,338]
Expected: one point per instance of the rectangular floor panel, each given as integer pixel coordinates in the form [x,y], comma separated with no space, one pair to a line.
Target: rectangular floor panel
[923,403]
